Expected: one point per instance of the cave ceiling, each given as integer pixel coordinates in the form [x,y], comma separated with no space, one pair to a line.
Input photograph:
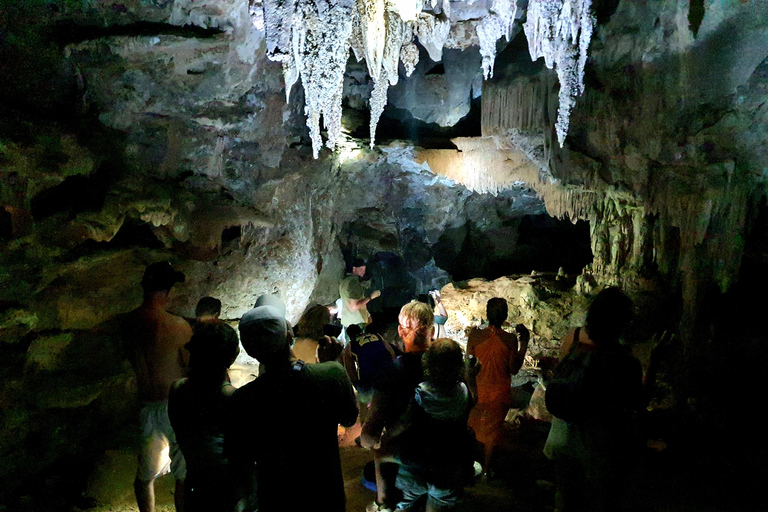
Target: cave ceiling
[644,118]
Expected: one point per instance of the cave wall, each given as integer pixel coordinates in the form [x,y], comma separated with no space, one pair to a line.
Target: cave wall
[134,131]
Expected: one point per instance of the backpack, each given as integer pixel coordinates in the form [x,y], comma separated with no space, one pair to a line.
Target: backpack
[442,449]
[568,394]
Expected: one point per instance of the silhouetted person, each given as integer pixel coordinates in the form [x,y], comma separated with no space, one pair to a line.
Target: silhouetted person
[155,342]
[286,421]
[441,315]
[438,450]
[392,392]
[365,357]
[312,345]
[591,453]
[208,310]
[197,408]
[498,357]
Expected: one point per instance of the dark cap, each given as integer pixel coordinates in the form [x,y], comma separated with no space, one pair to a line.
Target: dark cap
[161,276]
[358,262]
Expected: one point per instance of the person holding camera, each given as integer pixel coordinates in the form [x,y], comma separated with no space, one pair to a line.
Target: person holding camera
[441,316]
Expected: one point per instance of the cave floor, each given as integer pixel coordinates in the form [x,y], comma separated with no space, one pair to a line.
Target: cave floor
[523,483]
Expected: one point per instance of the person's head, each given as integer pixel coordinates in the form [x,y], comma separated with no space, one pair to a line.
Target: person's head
[160,278]
[608,314]
[212,349]
[415,325]
[311,323]
[497,311]
[265,335]
[271,300]
[208,309]
[358,267]
[426,299]
[444,363]
[354,331]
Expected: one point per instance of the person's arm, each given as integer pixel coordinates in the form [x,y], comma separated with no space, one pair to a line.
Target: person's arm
[184,335]
[358,304]
[439,303]
[521,346]
[511,343]
[348,361]
[371,435]
[565,347]
[347,402]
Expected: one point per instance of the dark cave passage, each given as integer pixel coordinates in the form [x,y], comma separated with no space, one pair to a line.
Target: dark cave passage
[533,242]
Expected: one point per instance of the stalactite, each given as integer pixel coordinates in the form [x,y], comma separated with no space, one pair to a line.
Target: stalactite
[560,31]
[493,27]
[432,32]
[373,29]
[397,32]
[312,38]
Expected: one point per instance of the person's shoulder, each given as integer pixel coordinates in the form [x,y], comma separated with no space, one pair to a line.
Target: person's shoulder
[508,338]
[248,391]
[328,369]
[178,385]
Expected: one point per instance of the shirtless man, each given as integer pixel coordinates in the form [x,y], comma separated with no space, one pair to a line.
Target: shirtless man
[154,341]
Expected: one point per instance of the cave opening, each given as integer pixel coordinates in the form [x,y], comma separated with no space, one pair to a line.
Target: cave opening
[532,243]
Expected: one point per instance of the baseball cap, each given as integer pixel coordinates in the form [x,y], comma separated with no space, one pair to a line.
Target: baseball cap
[263,331]
[161,276]
[358,262]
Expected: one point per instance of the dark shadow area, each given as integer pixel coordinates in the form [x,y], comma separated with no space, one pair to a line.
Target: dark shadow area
[134,233]
[399,124]
[6,225]
[695,15]
[64,33]
[534,242]
[74,195]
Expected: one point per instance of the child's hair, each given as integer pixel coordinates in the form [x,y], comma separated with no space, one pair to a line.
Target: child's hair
[444,363]
[417,318]
[213,348]
[312,321]
[208,306]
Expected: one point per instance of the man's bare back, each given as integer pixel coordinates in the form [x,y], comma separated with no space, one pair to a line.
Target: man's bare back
[155,342]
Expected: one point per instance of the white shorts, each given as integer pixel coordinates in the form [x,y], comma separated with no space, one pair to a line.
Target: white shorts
[159,452]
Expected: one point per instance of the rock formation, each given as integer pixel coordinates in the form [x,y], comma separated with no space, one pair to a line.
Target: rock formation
[132,131]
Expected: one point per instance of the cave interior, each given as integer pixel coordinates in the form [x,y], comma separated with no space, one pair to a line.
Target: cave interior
[460,149]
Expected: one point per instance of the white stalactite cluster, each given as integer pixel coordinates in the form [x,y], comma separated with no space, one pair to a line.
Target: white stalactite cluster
[496,25]
[312,39]
[560,31]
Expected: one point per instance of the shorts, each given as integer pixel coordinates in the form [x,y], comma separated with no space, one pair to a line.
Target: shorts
[159,452]
[413,486]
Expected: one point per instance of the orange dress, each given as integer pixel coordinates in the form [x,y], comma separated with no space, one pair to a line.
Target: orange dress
[496,351]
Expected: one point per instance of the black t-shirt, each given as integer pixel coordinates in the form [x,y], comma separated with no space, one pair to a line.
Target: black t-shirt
[286,421]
